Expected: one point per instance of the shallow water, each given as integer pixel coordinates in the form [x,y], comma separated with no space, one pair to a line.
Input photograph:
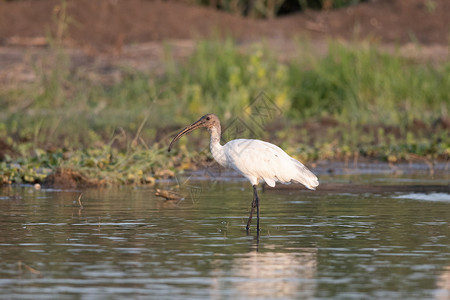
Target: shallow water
[351,242]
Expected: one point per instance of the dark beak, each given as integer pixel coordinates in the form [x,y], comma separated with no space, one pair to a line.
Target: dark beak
[186,130]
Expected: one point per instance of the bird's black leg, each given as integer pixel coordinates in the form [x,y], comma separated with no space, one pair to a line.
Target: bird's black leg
[257,209]
[254,204]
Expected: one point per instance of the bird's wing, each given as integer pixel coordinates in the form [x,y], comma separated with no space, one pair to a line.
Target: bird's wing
[266,161]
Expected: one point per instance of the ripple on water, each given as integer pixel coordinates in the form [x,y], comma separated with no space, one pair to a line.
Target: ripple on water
[438,197]
[337,244]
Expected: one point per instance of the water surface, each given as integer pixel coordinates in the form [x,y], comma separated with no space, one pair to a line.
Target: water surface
[350,242]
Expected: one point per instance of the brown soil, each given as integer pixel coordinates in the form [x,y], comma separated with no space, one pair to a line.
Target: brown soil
[108,25]
[104,36]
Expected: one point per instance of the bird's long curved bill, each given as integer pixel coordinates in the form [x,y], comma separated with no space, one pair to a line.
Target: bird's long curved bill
[186,130]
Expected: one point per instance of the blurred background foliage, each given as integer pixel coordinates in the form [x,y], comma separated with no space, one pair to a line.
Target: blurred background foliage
[353,101]
[367,98]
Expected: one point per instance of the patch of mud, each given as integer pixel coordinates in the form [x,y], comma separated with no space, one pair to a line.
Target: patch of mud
[67,179]
[99,25]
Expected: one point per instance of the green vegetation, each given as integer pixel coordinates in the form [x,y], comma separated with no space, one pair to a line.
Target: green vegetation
[351,103]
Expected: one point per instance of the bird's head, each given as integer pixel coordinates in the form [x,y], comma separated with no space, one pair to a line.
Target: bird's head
[209,121]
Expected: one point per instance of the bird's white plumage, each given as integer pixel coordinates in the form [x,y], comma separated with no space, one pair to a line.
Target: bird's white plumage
[254,159]
[258,160]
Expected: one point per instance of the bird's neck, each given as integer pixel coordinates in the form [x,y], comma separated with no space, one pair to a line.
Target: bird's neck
[216,148]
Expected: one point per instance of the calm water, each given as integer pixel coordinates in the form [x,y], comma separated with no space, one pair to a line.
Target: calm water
[352,242]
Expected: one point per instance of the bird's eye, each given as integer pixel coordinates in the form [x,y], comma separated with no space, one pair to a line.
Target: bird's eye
[208,118]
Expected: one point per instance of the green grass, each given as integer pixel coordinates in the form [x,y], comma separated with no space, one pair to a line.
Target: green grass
[364,85]
[381,106]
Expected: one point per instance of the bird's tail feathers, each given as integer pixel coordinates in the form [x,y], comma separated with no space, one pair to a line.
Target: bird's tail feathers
[306,177]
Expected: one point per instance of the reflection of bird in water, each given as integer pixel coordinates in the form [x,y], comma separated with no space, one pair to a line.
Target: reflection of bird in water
[443,285]
[254,159]
[268,275]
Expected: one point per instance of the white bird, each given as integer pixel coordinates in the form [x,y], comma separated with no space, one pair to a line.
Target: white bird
[254,159]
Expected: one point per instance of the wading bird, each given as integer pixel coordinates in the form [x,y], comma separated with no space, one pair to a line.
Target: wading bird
[254,159]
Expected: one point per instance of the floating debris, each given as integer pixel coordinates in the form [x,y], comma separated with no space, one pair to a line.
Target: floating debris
[79,201]
[168,195]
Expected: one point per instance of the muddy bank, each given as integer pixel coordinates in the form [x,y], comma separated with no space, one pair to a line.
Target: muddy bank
[341,177]
[68,179]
